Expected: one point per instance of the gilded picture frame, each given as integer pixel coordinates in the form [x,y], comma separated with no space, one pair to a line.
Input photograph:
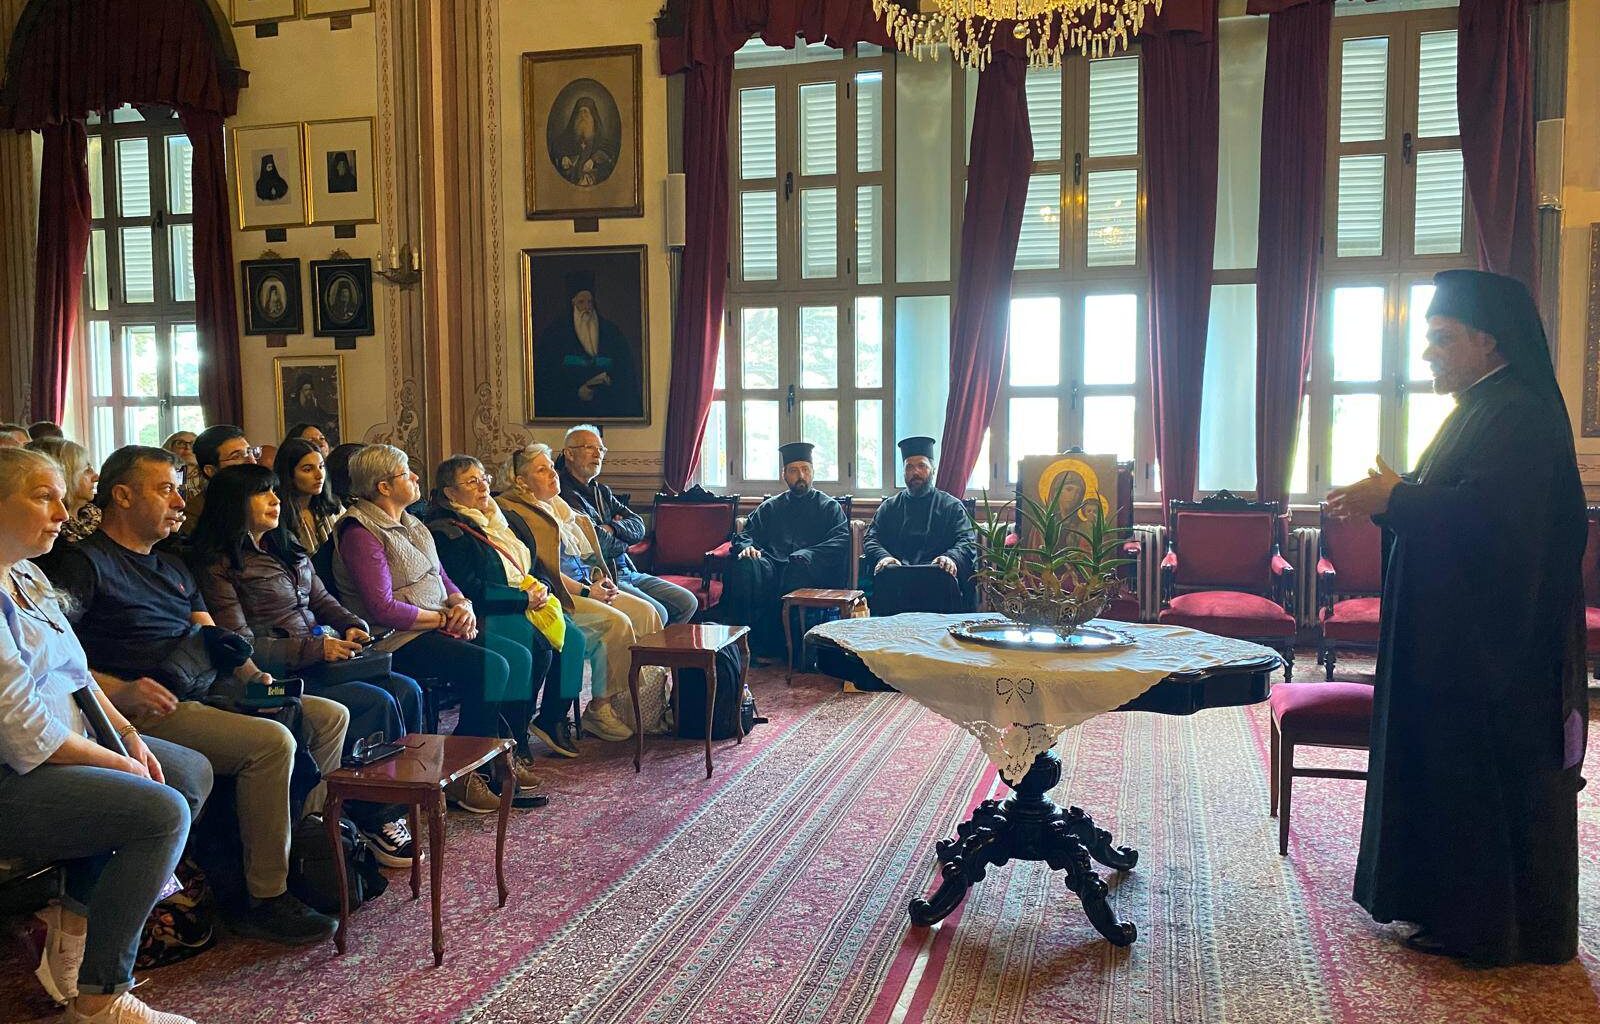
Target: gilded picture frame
[256,12]
[594,372]
[582,133]
[268,175]
[340,171]
[310,389]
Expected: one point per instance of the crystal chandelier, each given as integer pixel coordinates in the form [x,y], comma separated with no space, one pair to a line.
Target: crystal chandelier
[1050,29]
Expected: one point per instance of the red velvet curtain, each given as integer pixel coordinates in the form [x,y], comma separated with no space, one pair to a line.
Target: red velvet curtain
[64,216]
[215,312]
[73,57]
[70,58]
[1294,107]
[997,191]
[703,281]
[1181,96]
[1494,92]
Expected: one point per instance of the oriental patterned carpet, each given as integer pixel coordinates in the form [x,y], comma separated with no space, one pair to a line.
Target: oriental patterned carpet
[776,891]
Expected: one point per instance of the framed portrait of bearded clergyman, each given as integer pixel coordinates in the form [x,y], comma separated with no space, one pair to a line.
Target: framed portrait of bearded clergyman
[582,134]
[585,325]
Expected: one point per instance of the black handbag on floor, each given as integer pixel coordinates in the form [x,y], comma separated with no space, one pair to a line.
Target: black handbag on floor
[733,698]
[312,869]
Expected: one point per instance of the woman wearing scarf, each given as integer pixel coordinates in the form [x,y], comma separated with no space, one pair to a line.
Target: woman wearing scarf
[500,574]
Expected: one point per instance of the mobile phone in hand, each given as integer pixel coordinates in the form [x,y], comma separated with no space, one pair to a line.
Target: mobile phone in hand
[378,635]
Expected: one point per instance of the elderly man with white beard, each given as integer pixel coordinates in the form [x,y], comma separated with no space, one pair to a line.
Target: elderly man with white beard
[584,366]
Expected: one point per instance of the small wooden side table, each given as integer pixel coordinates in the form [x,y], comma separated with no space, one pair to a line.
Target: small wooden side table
[417,777]
[685,645]
[841,601]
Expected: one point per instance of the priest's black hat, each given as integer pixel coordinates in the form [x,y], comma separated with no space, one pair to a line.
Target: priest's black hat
[916,446]
[1499,306]
[579,281]
[795,451]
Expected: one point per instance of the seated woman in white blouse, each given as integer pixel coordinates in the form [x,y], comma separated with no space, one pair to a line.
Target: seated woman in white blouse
[64,796]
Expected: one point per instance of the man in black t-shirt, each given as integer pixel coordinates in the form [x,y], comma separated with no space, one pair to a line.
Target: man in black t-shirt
[151,644]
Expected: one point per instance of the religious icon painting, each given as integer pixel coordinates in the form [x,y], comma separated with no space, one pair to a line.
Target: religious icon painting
[342,291]
[585,325]
[340,185]
[582,134]
[1081,477]
[254,12]
[328,8]
[272,303]
[268,183]
[311,390]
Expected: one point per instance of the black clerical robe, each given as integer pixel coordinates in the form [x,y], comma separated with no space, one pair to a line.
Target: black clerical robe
[804,541]
[1480,706]
[916,530]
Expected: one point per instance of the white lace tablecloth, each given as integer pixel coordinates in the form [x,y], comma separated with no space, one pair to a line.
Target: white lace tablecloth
[1017,703]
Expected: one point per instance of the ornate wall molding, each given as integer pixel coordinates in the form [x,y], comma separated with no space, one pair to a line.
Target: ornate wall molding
[18,236]
[400,31]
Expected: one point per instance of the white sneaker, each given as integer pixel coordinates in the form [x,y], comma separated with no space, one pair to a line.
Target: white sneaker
[61,959]
[125,1009]
[602,719]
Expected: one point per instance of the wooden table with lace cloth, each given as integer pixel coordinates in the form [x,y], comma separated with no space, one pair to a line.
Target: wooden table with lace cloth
[1017,703]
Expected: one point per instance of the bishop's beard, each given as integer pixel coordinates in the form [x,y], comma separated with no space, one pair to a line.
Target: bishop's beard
[587,326]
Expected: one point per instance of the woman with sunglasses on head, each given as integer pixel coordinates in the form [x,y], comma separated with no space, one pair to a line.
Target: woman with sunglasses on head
[488,560]
[258,581]
[118,822]
[309,507]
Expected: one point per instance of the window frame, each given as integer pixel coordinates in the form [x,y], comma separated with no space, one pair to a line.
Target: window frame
[166,314]
[1073,281]
[1398,268]
[790,292]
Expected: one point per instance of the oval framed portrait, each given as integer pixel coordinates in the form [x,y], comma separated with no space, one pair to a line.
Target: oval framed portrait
[343,290]
[583,135]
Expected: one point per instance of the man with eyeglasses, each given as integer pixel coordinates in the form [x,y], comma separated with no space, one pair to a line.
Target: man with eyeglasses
[216,448]
[615,524]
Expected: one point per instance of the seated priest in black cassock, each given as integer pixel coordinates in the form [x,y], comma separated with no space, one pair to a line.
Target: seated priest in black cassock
[921,526]
[1480,712]
[796,539]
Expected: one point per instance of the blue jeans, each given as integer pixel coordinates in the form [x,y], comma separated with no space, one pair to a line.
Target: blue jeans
[83,816]
[672,602]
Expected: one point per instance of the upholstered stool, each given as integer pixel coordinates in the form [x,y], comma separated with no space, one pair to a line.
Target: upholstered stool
[1314,715]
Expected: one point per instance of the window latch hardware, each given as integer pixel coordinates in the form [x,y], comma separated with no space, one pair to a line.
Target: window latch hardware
[791,398]
[788,186]
[1405,148]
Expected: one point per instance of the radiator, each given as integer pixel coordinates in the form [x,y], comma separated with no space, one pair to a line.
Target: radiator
[1302,554]
[1147,570]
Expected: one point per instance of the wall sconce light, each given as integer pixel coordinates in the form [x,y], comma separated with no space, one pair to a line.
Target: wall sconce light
[403,268]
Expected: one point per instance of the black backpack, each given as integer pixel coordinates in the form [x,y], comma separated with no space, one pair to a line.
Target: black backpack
[733,698]
[312,872]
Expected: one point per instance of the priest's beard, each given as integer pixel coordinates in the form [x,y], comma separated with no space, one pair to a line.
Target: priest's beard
[918,488]
[799,488]
[587,325]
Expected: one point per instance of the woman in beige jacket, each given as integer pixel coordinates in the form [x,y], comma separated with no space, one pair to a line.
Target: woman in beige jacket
[610,619]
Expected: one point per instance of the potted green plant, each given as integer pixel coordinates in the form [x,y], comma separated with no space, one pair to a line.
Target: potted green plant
[1059,571]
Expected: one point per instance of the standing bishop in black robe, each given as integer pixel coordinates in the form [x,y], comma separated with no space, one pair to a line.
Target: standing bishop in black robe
[1480,712]
[920,526]
[796,539]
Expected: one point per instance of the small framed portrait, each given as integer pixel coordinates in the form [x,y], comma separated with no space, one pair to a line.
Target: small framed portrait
[267,176]
[328,8]
[252,12]
[341,186]
[586,334]
[342,292]
[311,390]
[581,138]
[272,303]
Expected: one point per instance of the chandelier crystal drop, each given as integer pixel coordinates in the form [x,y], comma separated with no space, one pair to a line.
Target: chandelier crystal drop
[1051,30]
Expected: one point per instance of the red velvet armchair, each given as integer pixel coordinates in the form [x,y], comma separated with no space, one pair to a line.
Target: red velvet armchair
[1349,580]
[1225,573]
[1591,591]
[688,542]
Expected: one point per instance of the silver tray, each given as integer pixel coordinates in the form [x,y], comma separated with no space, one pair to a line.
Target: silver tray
[1016,636]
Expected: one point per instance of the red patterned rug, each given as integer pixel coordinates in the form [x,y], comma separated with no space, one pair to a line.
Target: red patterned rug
[776,892]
